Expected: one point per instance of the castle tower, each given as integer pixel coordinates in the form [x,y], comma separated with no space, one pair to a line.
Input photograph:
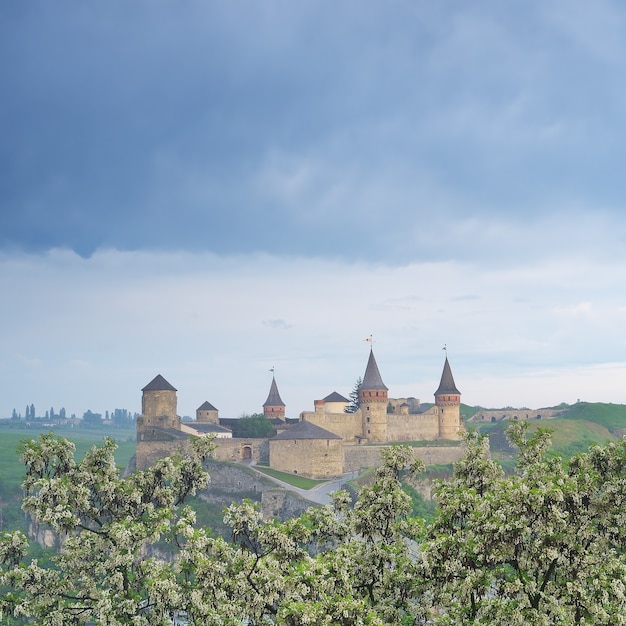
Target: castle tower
[274,406]
[373,398]
[158,405]
[207,413]
[448,400]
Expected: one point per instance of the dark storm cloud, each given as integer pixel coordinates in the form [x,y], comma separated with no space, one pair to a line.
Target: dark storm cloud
[353,129]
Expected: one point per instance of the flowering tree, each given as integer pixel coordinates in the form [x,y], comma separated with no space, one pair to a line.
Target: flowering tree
[542,546]
[109,526]
[131,555]
[340,564]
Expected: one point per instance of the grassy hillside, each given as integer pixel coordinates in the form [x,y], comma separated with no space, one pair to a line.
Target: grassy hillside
[611,416]
[569,436]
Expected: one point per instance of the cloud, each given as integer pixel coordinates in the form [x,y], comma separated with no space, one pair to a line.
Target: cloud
[29,361]
[277,324]
[292,128]
[178,186]
[582,308]
[103,327]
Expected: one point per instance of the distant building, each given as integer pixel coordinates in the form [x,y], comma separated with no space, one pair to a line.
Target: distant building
[206,412]
[274,406]
[381,419]
[313,446]
[307,450]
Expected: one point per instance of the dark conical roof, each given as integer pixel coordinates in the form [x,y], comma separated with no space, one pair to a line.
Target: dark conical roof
[206,406]
[447,381]
[273,399]
[158,383]
[372,378]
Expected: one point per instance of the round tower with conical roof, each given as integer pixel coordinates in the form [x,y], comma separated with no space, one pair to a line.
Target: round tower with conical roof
[373,398]
[448,401]
[274,406]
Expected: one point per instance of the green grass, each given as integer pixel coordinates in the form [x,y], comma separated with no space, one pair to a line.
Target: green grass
[209,515]
[569,436]
[420,507]
[83,439]
[11,468]
[437,471]
[467,411]
[295,481]
[611,416]
[12,471]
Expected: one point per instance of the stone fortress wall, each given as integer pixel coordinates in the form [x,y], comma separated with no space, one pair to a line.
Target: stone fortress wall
[147,453]
[319,458]
[346,425]
[407,427]
[358,458]
[500,415]
[320,444]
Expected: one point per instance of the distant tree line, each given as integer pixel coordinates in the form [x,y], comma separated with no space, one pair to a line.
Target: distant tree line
[119,417]
[30,414]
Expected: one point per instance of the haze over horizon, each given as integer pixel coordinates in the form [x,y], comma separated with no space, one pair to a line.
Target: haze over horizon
[213,190]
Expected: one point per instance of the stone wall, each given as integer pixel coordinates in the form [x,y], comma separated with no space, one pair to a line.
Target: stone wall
[241,449]
[230,482]
[234,450]
[374,423]
[515,414]
[149,452]
[360,457]
[346,425]
[313,458]
[423,426]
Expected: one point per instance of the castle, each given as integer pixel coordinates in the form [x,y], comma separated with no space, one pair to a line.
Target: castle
[322,443]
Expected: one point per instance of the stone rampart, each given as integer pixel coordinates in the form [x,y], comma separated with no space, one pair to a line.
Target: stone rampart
[234,450]
[149,452]
[360,457]
[234,482]
[346,425]
[241,449]
[313,458]
[515,414]
[235,479]
[409,427]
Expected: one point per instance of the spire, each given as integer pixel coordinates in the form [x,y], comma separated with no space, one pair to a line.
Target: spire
[447,381]
[372,378]
[273,399]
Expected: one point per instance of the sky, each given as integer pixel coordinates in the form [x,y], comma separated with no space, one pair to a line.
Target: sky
[212,190]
